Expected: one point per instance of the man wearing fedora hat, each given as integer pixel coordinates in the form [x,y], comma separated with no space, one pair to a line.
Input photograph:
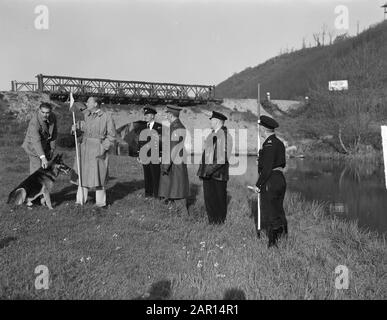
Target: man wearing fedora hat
[151,169]
[271,182]
[214,169]
[174,183]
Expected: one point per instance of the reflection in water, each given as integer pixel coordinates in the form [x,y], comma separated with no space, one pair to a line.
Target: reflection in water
[356,191]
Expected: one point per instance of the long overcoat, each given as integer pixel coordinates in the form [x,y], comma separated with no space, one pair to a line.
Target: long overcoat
[98,136]
[174,183]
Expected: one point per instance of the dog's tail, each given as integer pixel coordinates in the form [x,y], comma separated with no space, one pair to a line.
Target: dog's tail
[17,196]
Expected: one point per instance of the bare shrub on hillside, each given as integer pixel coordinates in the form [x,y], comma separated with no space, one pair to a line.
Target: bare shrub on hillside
[348,115]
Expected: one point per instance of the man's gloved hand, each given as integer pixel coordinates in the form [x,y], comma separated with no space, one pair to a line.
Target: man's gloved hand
[256,189]
[165,170]
[44,162]
[207,174]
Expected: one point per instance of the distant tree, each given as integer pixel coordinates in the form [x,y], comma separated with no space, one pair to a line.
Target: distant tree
[303,43]
[323,33]
[331,34]
[316,37]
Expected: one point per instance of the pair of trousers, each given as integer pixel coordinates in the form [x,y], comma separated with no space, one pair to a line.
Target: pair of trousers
[272,199]
[100,196]
[215,199]
[151,179]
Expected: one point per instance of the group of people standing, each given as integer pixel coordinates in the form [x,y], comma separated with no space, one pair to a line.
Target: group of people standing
[165,171]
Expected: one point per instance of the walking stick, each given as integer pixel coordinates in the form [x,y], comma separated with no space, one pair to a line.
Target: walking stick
[258,147]
[76,146]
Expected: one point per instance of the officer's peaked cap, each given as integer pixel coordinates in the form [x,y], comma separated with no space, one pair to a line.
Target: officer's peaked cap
[173,109]
[218,115]
[268,122]
[150,110]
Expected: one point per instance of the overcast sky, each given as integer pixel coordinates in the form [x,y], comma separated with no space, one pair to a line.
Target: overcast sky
[178,41]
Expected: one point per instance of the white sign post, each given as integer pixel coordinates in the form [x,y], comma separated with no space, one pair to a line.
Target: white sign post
[338,85]
[384,143]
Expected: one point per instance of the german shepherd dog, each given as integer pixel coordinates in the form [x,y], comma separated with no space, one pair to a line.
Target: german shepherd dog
[38,184]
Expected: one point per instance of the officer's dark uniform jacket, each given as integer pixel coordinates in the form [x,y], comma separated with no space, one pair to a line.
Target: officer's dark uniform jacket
[218,166]
[271,156]
[158,128]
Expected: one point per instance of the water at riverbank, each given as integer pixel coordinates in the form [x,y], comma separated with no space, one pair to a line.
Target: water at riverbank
[353,192]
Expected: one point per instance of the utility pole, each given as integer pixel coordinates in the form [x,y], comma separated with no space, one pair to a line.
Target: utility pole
[385,10]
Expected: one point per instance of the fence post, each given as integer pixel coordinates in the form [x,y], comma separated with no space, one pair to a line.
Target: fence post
[40,82]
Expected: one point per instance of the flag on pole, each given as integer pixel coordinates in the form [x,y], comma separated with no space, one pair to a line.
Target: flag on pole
[72,108]
[75,106]
[71,103]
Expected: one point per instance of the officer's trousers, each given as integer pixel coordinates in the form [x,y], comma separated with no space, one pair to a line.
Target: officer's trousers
[215,199]
[151,179]
[272,211]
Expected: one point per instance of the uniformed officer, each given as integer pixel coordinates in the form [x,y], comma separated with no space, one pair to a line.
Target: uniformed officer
[151,168]
[271,182]
[174,183]
[214,169]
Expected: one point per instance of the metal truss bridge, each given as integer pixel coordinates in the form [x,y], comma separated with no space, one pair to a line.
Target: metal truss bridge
[118,91]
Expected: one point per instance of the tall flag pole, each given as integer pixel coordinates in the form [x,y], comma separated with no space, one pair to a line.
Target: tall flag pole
[258,147]
[76,145]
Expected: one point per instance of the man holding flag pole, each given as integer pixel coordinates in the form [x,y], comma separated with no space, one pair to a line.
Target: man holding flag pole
[72,109]
[271,184]
[92,159]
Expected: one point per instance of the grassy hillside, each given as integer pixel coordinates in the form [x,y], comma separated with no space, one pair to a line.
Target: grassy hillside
[290,76]
[143,249]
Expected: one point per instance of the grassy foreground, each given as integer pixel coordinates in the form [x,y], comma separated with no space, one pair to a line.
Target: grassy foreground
[119,253]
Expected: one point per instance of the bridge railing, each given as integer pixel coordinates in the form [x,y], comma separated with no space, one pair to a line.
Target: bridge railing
[24,86]
[59,85]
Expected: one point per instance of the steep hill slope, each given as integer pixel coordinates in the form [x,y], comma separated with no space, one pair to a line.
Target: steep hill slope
[289,76]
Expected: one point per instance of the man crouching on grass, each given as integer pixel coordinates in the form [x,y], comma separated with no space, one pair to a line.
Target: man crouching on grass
[39,142]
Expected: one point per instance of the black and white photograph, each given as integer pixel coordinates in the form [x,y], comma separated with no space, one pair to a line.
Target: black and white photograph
[189,155]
